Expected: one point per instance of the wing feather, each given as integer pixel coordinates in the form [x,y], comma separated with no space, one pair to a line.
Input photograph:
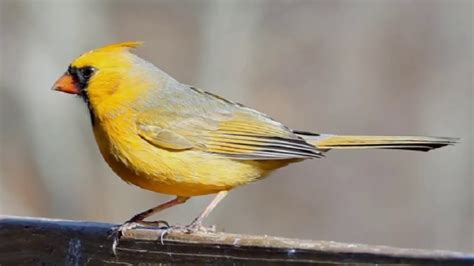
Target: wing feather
[224,128]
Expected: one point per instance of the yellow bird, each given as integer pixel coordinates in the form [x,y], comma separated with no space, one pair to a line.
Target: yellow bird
[172,138]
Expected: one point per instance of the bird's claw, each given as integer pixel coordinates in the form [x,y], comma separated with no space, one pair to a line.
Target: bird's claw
[194,228]
[197,226]
[188,229]
[163,225]
[171,228]
[120,230]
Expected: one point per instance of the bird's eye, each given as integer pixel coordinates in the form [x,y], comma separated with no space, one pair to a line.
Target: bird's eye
[70,70]
[86,72]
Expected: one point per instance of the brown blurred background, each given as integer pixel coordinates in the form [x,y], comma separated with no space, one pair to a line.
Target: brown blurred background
[360,67]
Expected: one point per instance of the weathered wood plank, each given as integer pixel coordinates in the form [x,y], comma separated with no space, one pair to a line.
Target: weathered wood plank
[47,241]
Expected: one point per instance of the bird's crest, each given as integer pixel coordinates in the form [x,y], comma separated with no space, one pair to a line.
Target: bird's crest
[106,56]
[121,45]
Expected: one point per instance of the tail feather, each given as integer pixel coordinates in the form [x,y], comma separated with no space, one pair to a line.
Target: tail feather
[414,143]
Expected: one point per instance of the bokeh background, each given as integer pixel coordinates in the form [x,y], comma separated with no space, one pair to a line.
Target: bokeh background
[360,67]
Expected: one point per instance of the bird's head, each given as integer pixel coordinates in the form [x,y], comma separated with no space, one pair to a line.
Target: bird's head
[104,75]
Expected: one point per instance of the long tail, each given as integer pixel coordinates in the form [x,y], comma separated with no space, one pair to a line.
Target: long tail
[413,143]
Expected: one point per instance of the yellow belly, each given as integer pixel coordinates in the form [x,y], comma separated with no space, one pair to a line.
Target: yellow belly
[182,173]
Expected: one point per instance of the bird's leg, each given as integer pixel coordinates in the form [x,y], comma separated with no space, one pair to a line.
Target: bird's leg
[139,219]
[197,222]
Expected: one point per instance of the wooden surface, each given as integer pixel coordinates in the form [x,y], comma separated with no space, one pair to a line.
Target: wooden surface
[46,241]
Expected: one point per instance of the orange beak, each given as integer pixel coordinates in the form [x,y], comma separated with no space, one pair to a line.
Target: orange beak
[66,84]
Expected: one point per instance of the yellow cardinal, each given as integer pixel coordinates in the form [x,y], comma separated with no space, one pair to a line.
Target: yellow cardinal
[172,138]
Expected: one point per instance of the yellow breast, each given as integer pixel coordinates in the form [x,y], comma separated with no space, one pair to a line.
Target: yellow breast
[182,173]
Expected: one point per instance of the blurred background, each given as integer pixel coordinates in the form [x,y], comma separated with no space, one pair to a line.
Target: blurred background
[358,67]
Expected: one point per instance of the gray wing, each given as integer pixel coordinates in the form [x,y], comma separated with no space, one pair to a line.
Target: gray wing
[185,118]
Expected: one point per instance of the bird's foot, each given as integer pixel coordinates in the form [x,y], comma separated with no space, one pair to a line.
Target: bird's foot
[119,231]
[199,227]
[188,229]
